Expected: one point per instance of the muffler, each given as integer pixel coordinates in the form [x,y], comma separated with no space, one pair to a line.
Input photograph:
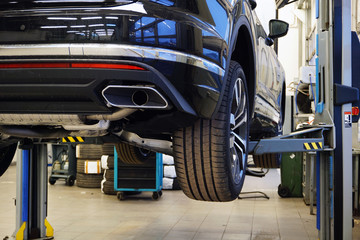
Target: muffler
[145,97]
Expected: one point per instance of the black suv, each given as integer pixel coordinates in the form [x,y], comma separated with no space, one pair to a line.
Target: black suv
[192,78]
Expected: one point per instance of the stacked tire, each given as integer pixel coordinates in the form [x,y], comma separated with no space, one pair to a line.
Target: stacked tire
[170,181]
[88,155]
[107,164]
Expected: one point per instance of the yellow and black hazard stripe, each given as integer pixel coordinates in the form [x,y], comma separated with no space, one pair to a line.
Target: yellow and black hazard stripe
[73,139]
[313,145]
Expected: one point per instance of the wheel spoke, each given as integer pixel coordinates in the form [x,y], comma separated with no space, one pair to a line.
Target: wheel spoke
[240,123]
[242,162]
[235,168]
[240,141]
[232,141]
[240,99]
[236,92]
[239,147]
[232,120]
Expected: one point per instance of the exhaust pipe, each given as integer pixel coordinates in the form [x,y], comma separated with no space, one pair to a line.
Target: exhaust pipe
[140,98]
[145,97]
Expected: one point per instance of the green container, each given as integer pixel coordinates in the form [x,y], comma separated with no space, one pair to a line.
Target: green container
[291,175]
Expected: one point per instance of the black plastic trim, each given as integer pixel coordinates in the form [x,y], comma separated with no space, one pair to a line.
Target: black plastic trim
[77,91]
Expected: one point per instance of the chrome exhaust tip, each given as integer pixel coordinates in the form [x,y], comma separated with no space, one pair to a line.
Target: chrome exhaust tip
[145,97]
[140,98]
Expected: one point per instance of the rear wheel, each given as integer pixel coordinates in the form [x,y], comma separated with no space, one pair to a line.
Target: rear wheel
[211,155]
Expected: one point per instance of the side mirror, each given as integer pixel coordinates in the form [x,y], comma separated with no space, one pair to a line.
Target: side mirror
[277,28]
[253,4]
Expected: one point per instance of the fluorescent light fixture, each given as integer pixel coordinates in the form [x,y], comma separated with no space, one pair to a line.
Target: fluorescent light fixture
[61,1]
[111,25]
[78,26]
[90,18]
[109,17]
[62,18]
[53,27]
[96,25]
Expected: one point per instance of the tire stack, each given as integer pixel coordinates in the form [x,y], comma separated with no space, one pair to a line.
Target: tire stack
[170,181]
[268,160]
[107,164]
[88,154]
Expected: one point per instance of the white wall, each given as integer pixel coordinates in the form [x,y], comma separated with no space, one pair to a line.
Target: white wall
[265,11]
[288,50]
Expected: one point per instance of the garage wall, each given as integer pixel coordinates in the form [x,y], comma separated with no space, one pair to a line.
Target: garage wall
[289,50]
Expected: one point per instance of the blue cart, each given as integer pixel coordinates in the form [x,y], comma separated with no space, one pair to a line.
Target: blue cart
[147,177]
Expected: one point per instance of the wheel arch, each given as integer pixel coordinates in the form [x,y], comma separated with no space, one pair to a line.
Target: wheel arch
[244,53]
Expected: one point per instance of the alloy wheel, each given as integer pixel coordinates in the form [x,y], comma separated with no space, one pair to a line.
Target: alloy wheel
[238,131]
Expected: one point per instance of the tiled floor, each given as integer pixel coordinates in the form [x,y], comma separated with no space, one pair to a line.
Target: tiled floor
[79,213]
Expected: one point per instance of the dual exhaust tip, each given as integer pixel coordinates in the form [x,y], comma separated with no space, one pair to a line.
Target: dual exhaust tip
[145,97]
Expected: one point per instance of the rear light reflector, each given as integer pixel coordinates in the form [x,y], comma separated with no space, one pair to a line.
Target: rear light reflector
[72,65]
[355,111]
[34,65]
[106,65]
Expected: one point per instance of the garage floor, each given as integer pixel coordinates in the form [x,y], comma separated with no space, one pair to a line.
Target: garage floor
[79,213]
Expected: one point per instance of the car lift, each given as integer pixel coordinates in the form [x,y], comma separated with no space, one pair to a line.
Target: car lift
[31,193]
[330,137]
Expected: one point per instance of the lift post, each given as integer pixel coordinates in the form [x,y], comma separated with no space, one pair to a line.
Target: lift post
[334,79]
[31,193]
[331,135]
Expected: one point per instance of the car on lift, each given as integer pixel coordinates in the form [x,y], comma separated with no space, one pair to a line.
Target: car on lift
[196,79]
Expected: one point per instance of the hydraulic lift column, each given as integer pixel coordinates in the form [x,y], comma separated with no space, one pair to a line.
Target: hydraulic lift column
[342,119]
[31,193]
[335,94]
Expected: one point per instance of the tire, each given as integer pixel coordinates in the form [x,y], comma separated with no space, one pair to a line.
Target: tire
[108,188]
[133,155]
[80,165]
[176,185]
[110,163]
[108,149]
[6,156]
[109,175]
[89,151]
[89,180]
[210,160]
[269,160]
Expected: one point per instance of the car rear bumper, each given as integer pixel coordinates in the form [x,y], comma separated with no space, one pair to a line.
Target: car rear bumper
[192,85]
[96,50]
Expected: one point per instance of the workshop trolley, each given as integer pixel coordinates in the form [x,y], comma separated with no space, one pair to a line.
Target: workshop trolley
[64,164]
[147,177]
